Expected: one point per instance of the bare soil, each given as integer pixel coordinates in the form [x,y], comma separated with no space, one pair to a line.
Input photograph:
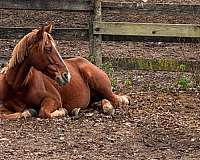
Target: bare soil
[162,121]
[155,126]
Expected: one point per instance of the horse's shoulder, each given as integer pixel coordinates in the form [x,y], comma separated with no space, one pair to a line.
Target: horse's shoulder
[34,76]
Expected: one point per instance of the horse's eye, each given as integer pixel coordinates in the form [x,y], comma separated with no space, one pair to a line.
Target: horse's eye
[48,49]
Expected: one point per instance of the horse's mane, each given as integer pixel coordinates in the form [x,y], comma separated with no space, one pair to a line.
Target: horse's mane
[26,80]
[21,49]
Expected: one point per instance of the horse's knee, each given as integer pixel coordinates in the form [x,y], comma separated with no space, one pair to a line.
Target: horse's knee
[44,114]
[48,107]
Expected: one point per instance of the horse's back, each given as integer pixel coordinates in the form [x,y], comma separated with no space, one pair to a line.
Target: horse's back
[83,65]
[86,68]
[76,61]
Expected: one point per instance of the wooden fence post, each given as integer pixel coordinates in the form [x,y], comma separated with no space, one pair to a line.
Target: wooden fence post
[91,35]
[97,38]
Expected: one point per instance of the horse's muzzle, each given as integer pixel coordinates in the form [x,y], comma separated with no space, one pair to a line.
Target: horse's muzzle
[63,78]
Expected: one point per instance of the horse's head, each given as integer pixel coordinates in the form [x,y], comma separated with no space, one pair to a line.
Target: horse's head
[42,54]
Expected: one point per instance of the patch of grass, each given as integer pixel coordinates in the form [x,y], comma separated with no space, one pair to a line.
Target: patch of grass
[109,69]
[127,82]
[182,67]
[183,83]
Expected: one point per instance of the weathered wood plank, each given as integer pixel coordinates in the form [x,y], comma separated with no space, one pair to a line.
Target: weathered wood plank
[91,37]
[159,8]
[150,39]
[98,37]
[58,33]
[147,29]
[69,5]
[86,5]
[83,34]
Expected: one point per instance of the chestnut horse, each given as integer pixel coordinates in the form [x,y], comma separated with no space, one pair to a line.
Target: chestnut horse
[36,49]
[87,84]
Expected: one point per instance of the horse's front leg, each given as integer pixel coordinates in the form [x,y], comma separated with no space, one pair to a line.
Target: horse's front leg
[4,110]
[51,108]
[15,109]
[19,115]
[4,87]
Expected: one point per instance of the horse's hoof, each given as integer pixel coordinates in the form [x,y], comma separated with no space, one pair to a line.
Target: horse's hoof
[125,100]
[108,109]
[63,111]
[75,111]
[29,113]
[33,112]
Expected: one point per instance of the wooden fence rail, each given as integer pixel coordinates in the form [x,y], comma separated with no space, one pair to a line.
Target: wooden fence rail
[87,5]
[140,30]
[67,5]
[159,8]
[58,33]
[147,29]
[99,31]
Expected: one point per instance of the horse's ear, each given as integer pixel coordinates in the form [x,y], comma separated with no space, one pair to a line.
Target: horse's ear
[48,28]
[40,33]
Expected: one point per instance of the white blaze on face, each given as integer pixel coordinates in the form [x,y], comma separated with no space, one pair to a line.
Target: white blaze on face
[54,46]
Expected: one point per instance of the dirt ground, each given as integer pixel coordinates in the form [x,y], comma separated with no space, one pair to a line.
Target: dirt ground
[155,126]
[161,123]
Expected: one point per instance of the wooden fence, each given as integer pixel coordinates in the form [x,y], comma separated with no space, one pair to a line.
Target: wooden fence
[99,31]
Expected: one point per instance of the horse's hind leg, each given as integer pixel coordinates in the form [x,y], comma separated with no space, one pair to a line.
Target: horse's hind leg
[112,101]
[101,87]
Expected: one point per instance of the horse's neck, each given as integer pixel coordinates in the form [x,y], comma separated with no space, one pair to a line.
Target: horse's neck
[16,75]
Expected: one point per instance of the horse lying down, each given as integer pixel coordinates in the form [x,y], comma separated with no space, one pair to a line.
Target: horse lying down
[53,89]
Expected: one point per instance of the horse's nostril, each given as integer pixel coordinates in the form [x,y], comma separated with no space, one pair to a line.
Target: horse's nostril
[65,76]
[58,79]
